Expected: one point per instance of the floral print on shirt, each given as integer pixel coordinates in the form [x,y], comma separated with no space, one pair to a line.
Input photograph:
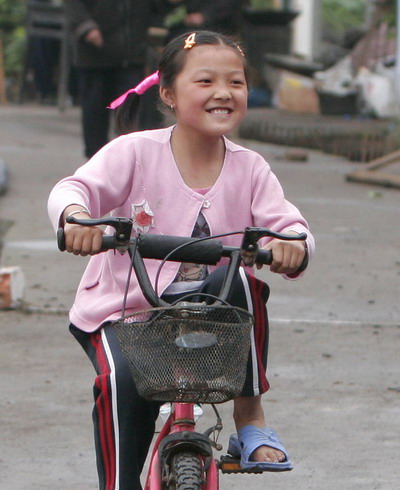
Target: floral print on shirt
[143,217]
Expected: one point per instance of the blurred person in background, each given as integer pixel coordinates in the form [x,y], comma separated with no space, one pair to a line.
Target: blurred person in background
[221,16]
[110,43]
[43,56]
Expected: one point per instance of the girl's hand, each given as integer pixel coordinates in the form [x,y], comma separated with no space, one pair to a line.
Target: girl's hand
[81,240]
[288,256]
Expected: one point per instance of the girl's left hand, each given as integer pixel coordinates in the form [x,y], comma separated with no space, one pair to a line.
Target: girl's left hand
[288,256]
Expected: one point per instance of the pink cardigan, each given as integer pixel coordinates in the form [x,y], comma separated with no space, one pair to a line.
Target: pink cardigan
[136,176]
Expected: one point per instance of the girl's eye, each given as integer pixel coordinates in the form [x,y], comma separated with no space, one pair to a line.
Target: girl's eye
[237,82]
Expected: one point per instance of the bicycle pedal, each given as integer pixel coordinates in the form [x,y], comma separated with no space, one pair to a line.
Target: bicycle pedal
[230,465]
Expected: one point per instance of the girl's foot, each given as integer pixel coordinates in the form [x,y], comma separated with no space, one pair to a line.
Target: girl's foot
[267,453]
[259,448]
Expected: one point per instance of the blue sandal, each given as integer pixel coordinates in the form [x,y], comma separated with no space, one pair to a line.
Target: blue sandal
[248,440]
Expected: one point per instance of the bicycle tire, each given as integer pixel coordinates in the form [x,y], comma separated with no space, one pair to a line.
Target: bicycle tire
[186,471]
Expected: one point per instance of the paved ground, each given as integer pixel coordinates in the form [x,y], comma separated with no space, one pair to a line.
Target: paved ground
[334,363]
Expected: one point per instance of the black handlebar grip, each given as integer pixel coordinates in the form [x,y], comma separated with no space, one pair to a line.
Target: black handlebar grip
[61,240]
[264,257]
[207,252]
[108,241]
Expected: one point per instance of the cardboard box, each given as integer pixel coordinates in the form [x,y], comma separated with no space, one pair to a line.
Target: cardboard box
[12,284]
[296,93]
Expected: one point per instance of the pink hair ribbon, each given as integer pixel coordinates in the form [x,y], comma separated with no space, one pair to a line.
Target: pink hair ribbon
[140,89]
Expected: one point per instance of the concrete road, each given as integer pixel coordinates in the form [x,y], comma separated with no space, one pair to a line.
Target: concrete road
[335,335]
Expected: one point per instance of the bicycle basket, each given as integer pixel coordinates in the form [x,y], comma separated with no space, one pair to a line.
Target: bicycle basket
[187,354]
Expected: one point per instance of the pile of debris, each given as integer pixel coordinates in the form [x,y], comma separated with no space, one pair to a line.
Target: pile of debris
[367,75]
[361,83]
[346,105]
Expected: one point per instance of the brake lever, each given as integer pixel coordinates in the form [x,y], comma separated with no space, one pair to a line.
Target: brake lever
[251,236]
[122,226]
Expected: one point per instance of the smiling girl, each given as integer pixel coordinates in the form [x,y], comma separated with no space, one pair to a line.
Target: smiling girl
[187,180]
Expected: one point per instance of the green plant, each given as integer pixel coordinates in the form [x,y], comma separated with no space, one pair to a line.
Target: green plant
[12,13]
[177,16]
[261,4]
[12,31]
[14,51]
[341,15]
[388,11]
[269,4]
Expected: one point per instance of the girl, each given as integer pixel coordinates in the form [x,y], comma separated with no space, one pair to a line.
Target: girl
[186,180]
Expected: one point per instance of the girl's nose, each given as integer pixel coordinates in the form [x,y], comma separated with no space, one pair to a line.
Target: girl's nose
[223,93]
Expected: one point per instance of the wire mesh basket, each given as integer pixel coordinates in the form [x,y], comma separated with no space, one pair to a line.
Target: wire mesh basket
[195,353]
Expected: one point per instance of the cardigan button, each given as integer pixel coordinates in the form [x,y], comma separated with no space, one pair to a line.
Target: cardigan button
[206,204]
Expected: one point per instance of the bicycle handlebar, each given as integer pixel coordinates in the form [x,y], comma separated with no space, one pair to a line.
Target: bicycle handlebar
[179,249]
[208,251]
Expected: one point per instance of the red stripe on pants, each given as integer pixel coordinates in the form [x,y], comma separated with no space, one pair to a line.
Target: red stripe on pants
[260,328]
[103,407]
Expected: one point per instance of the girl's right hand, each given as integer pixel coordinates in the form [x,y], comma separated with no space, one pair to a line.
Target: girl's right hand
[81,240]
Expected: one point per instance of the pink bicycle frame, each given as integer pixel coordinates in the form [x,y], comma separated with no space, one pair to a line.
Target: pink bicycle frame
[181,419]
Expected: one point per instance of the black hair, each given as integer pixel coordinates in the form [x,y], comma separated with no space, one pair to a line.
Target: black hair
[169,67]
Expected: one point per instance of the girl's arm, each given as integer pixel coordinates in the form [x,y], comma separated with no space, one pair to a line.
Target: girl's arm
[271,210]
[98,187]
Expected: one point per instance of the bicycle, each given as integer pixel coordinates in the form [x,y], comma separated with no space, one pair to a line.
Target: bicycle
[189,353]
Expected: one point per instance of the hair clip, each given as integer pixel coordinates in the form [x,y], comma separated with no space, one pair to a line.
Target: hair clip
[190,41]
[240,50]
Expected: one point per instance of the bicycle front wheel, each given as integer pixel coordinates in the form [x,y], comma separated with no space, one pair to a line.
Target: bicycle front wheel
[186,471]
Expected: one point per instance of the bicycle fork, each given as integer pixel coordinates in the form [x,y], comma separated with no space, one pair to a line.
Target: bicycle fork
[178,436]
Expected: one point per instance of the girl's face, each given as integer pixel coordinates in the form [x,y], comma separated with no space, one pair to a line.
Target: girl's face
[210,93]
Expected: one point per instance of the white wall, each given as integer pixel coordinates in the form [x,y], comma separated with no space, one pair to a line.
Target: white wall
[307,28]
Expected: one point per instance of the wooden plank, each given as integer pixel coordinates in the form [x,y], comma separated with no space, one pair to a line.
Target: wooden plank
[374,177]
[384,171]
[388,159]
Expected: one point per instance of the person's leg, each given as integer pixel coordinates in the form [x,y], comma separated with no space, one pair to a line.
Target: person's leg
[45,54]
[123,421]
[251,294]
[248,411]
[95,115]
